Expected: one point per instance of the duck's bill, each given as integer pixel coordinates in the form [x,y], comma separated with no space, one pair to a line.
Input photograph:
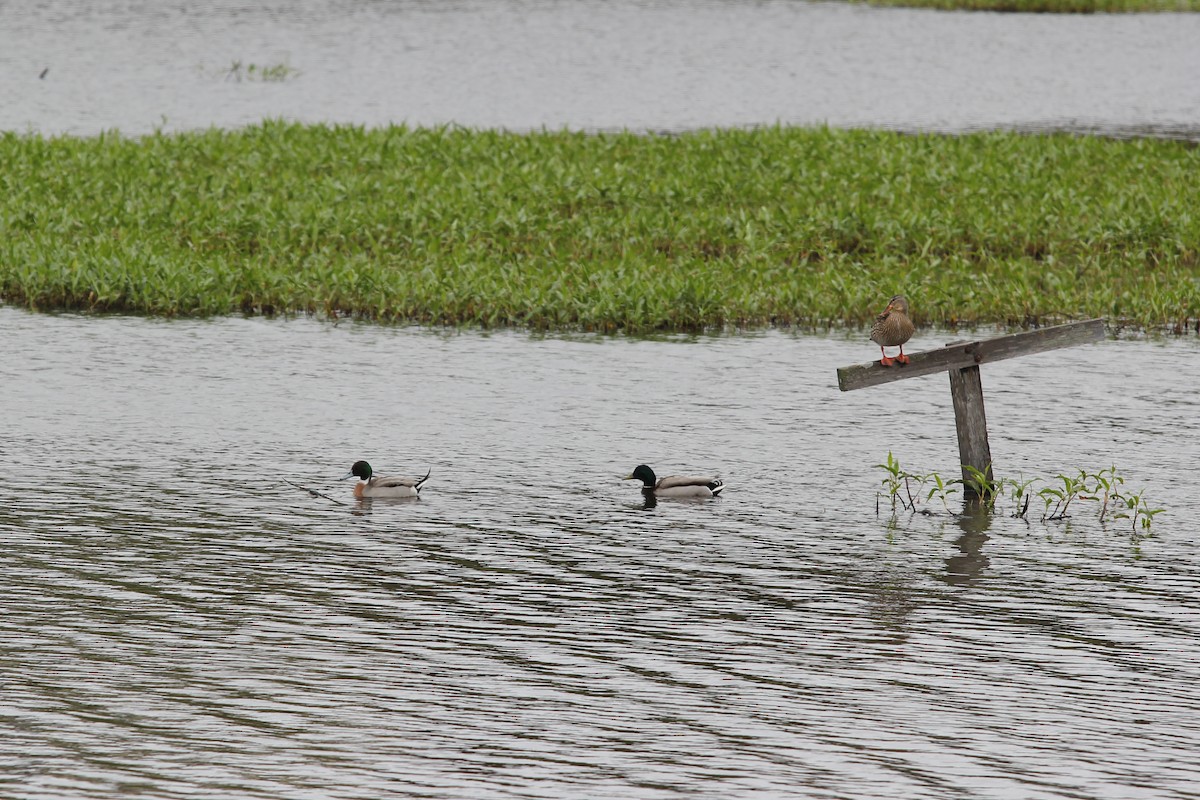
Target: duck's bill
[346,477]
[628,478]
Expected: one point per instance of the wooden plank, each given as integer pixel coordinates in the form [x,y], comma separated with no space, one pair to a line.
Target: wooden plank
[966,354]
[1039,341]
[966,390]
[860,376]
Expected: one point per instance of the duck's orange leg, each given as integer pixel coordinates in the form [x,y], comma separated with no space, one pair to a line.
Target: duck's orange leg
[885,361]
[903,359]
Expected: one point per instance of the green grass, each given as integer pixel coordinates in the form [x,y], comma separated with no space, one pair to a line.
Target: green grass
[796,226]
[1048,6]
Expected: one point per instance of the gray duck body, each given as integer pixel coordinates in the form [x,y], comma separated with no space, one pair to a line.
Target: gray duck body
[677,485]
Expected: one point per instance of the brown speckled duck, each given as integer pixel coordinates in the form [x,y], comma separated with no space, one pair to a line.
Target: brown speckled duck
[893,328]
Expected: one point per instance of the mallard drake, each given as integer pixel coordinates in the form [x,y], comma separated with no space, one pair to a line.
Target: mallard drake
[676,485]
[893,328]
[371,486]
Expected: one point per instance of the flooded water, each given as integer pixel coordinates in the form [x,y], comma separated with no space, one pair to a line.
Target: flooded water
[178,621]
[83,66]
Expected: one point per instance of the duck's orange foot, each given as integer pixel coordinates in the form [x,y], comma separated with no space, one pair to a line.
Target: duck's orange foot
[886,361]
[903,359]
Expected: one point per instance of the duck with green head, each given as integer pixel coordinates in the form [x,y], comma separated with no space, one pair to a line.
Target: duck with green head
[676,485]
[373,486]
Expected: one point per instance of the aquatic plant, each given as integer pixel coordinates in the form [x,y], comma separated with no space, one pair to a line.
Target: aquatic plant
[1138,510]
[898,479]
[1108,485]
[1062,496]
[942,488]
[980,485]
[609,231]
[266,73]
[1105,487]
[892,482]
[1019,494]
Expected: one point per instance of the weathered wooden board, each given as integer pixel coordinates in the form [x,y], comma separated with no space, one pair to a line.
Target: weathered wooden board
[967,354]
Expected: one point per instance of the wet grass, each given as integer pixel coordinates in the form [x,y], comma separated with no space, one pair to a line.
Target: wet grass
[1048,6]
[792,226]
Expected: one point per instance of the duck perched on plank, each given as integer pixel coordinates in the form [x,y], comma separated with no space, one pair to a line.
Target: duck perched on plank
[893,328]
[373,486]
[676,485]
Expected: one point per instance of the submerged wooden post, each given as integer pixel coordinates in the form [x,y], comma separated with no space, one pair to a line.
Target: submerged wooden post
[962,360]
[966,390]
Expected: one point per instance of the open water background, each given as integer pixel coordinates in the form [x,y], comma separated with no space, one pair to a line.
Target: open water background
[141,65]
[177,621]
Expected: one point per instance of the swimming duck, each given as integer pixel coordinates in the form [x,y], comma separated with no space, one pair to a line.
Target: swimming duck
[893,328]
[676,485]
[383,487]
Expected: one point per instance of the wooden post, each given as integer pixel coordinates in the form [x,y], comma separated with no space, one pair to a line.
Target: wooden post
[962,360]
[966,390]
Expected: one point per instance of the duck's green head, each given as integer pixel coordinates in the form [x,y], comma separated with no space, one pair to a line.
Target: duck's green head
[643,474]
[361,469]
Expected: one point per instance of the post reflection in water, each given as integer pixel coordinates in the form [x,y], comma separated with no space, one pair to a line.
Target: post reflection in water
[975,521]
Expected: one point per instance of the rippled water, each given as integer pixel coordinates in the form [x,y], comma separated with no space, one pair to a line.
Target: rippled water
[643,64]
[177,621]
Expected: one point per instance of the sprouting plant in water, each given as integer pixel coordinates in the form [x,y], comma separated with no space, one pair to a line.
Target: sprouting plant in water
[267,73]
[904,487]
[1019,494]
[1137,509]
[942,488]
[981,484]
[1107,487]
[1072,488]
[1049,495]
[893,480]
[1104,487]
[909,479]
[1147,513]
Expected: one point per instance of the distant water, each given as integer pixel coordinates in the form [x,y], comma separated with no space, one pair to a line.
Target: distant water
[591,64]
[176,621]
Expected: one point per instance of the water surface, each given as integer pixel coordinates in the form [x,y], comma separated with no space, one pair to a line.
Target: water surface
[177,621]
[591,64]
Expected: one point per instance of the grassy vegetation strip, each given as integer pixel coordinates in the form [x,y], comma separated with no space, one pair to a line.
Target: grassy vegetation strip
[611,231]
[1048,6]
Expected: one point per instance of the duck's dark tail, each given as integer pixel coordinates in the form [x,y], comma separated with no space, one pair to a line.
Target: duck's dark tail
[417,486]
[716,487]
